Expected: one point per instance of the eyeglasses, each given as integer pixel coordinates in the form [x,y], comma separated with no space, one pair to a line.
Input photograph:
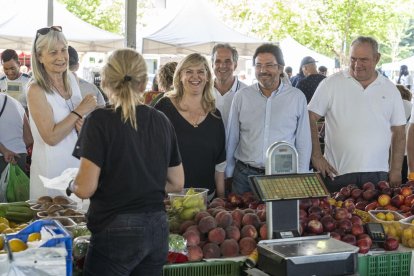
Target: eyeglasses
[45,31]
[267,66]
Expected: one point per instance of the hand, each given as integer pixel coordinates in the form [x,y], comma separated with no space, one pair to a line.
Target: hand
[321,165]
[78,125]
[88,104]
[394,178]
[10,157]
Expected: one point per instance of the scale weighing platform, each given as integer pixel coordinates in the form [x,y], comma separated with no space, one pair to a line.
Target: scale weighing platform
[285,252]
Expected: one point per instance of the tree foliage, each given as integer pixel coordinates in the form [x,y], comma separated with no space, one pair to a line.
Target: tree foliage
[327,26]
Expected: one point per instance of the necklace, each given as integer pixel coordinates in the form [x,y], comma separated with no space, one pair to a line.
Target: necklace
[68,102]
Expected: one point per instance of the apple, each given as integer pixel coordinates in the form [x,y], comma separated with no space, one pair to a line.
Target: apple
[409,200]
[339,197]
[356,193]
[396,191]
[387,191]
[261,206]
[410,183]
[335,235]
[382,185]
[404,208]
[397,200]
[345,191]
[384,200]
[341,213]
[369,194]
[234,199]
[368,186]
[247,198]
[253,205]
[365,237]
[391,208]
[356,220]
[328,223]
[391,244]
[349,238]
[406,191]
[340,232]
[315,226]
[314,216]
[352,187]
[357,229]
[315,201]
[315,210]
[345,224]
[412,209]
[361,205]
[363,246]
[371,206]
[304,204]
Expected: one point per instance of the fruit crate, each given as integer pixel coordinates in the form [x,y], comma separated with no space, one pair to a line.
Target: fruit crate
[217,268]
[62,237]
[407,225]
[391,227]
[387,264]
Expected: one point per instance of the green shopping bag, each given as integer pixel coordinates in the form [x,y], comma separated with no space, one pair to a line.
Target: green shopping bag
[18,186]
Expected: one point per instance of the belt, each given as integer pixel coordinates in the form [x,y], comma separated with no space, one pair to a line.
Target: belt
[259,170]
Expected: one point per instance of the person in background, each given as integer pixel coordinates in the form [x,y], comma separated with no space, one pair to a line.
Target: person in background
[264,113]
[364,119]
[405,78]
[56,109]
[132,171]
[312,78]
[298,77]
[15,134]
[14,83]
[323,70]
[84,86]
[224,59]
[289,71]
[406,96]
[198,124]
[165,80]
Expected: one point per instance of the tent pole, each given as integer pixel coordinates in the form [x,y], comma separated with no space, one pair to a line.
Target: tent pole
[131,23]
[49,12]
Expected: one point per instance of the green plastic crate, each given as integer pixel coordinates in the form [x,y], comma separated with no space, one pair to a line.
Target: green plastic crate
[219,268]
[388,264]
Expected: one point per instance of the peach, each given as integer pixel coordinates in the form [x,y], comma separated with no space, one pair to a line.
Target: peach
[211,250]
[224,219]
[237,216]
[384,200]
[232,232]
[248,231]
[206,224]
[195,253]
[251,219]
[185,224]
[229,248]
[192,238]
[201,215]
[217,235]
[247,245]
[263,232]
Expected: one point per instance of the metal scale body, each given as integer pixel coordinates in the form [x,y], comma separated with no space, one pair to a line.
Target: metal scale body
[285,252]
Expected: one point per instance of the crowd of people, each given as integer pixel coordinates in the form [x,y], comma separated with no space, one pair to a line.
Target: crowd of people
[205,129]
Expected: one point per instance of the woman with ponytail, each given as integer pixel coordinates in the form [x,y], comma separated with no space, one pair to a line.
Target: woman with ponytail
[129,160]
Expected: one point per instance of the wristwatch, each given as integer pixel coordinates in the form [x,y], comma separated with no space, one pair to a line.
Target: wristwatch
[69,189]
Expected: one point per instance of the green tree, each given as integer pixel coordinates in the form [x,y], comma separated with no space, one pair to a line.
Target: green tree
[108,17]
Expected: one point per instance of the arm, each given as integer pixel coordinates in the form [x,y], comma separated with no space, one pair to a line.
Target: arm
[27,134]
[86,182]
[303,142]
[410,148]
[8,155]
[219,177]
[42,114]
[397,154]
[175,179]
[318,161]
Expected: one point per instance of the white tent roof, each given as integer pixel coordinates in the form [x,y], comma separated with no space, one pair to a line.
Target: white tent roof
[395,66]
[195,28]
[26,16]
[294,52]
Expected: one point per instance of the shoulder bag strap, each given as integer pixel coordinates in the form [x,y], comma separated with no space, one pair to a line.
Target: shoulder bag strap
[4,105]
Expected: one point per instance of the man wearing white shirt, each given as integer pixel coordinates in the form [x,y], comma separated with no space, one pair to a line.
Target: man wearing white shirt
[364,123]
[264,113]
[224,61]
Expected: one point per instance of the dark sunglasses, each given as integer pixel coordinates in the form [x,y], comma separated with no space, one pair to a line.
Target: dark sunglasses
[45,31]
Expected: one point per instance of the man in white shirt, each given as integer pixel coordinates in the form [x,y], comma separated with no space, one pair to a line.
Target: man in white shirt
[224,61]
[364,119]
[405,78]
[264,113]
[14,83]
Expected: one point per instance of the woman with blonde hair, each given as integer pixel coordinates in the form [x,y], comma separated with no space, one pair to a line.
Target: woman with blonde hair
[129,160]
[198,124]
[56,109]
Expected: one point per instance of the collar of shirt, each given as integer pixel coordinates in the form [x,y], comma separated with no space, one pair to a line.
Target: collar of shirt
[234,87]
[279,90]
[378,81]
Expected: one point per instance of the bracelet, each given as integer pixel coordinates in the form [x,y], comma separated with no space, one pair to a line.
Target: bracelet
[69,189]
[76,113]
[410,176]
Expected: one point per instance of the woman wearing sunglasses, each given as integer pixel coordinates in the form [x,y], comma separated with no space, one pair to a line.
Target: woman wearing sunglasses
[56,109]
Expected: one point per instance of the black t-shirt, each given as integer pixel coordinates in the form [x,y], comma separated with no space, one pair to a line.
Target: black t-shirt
[309,84]
[201,147]
[133,162]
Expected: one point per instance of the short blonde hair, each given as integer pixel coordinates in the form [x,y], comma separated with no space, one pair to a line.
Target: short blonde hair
[123,77]
[166,76]
[208,100]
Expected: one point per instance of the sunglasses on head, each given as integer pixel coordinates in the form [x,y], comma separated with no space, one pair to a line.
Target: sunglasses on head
[45,31]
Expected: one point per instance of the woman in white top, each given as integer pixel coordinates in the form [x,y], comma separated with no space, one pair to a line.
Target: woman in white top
[56,109]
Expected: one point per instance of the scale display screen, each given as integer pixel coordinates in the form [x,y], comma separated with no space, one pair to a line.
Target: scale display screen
[288,186]
[283,163]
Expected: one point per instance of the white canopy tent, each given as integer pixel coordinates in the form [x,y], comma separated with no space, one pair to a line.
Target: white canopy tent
[294,52]
[24,17]
[195,28]
[395,66]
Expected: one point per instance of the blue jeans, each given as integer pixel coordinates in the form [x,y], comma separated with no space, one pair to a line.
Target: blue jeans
[241,182]
[132,244]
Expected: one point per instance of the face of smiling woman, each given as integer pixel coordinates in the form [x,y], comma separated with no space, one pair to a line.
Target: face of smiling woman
[194,79]
[56,59]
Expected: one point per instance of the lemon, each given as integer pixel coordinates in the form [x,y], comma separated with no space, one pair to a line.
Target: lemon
[4,220]
[389,216]
[34,237]
[380,216]
[17,245]
[407,233]
[8,231]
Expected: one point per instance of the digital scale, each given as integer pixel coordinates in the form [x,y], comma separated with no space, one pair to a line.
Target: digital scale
[286,252]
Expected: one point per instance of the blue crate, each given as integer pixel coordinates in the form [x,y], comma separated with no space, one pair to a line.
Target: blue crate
[57,228]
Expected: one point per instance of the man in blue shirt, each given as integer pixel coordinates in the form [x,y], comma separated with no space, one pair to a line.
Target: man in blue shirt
[264,113]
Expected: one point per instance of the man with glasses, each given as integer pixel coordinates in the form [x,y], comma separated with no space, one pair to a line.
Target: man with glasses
[364,119]
[14,83]
[263,113]
[224,61]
